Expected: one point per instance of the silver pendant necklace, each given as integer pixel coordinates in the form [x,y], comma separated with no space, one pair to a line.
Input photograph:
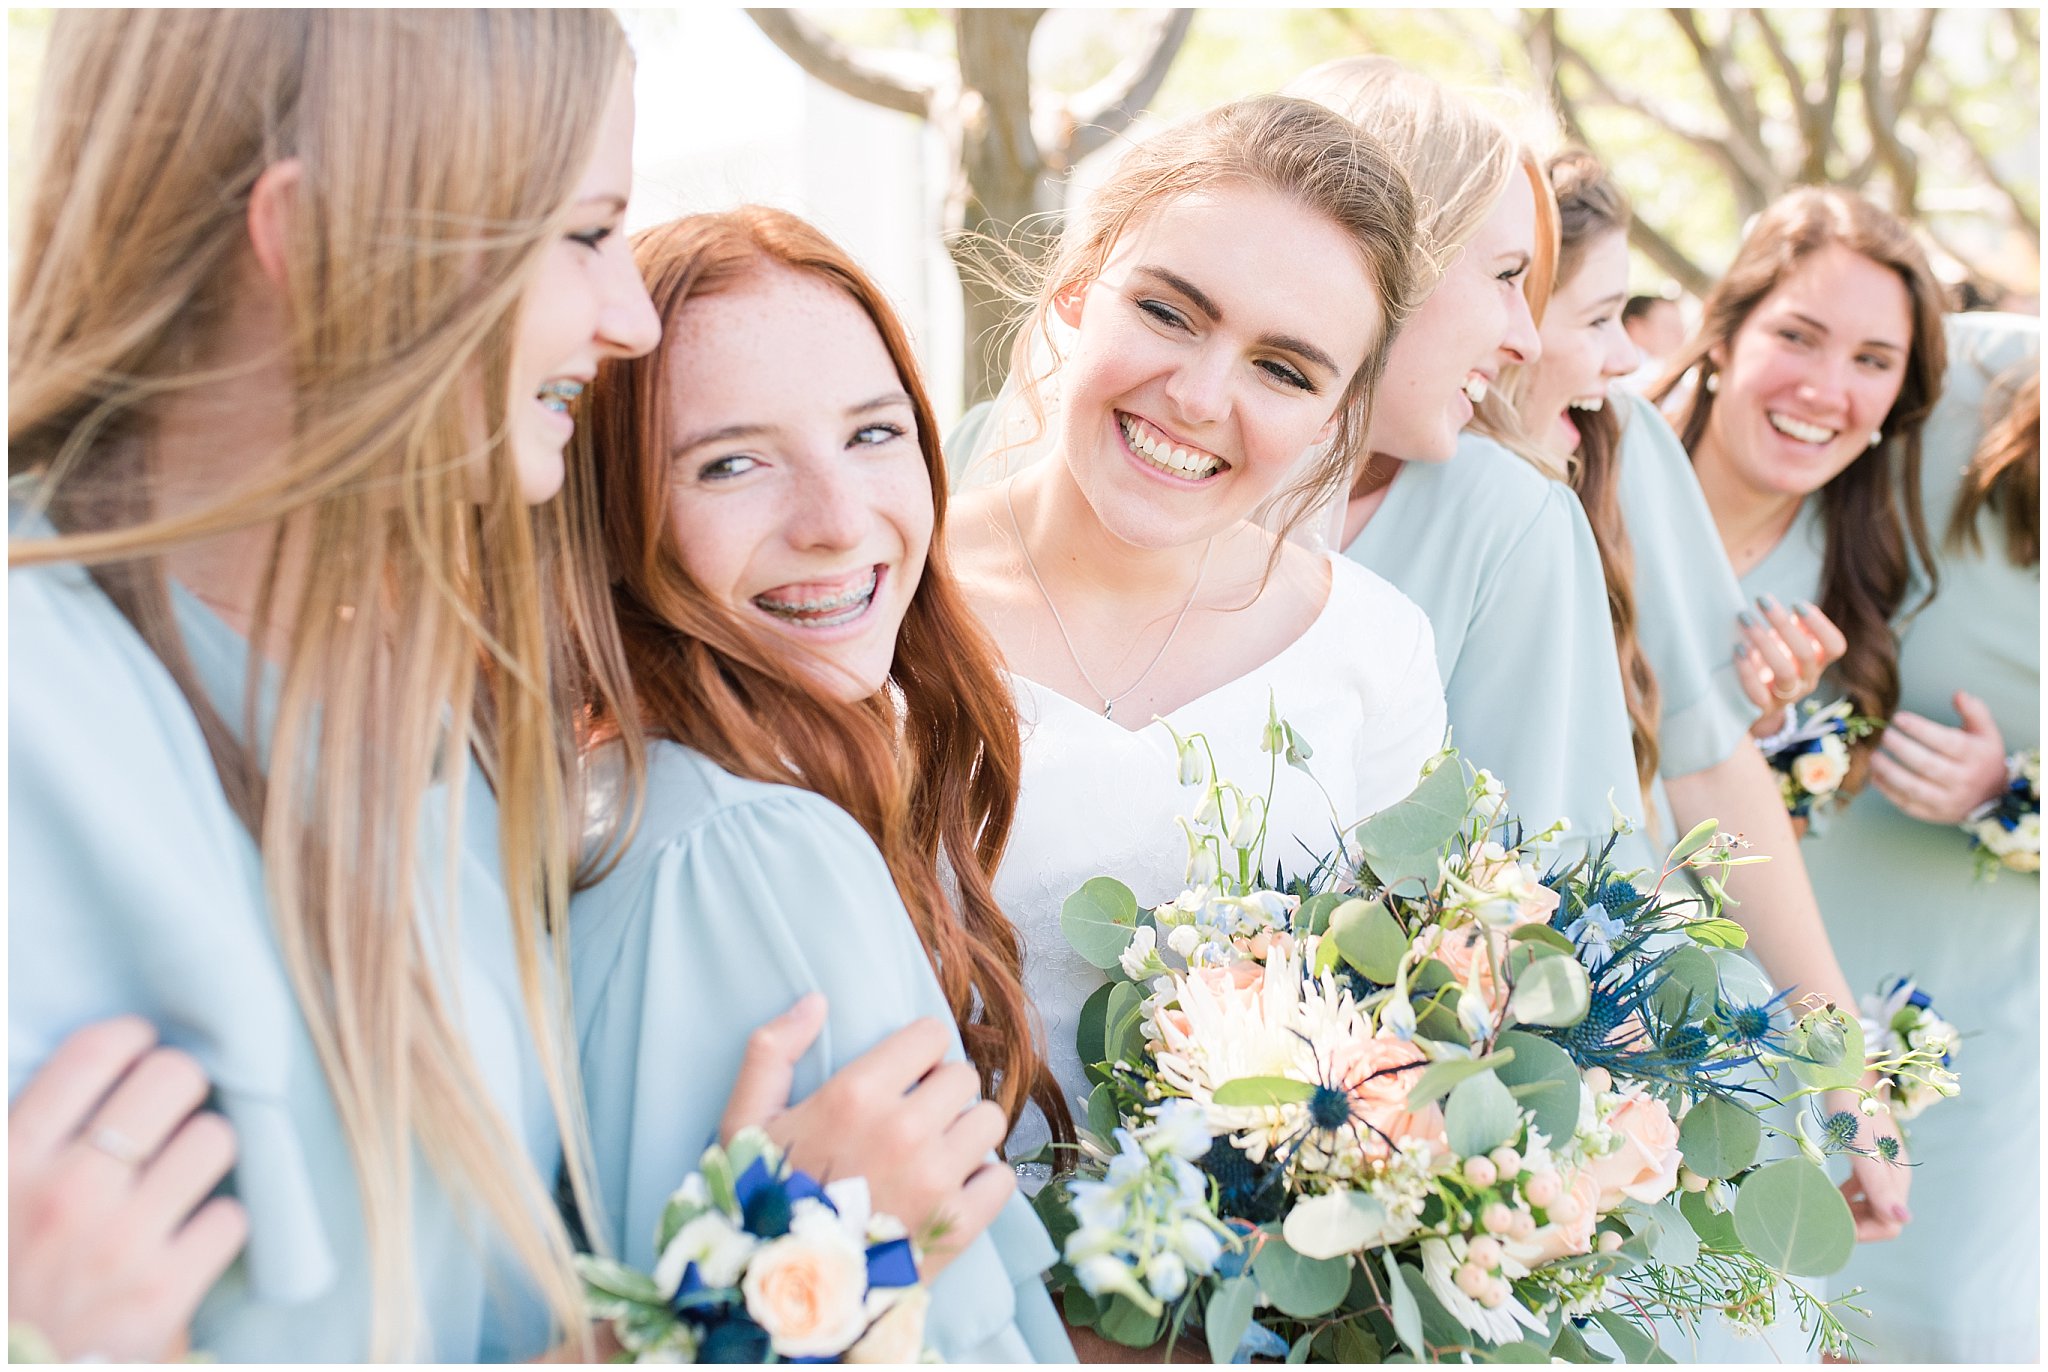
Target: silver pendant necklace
[1108,701]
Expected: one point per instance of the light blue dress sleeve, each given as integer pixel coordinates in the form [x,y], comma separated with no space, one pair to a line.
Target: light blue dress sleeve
[135,889]
[1503,562]
[1687,597]
[736,898]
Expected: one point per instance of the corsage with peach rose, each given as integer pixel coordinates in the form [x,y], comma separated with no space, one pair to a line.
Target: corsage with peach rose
[1434,1101]
[1810,753]
[760,1263]
[2005,831]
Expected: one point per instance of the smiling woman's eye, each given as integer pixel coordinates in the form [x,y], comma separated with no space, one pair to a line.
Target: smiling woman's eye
[1514,274]
[1876,362]
[871,435]
[1163,313]
[592,238]
[1288,375]
[727,467]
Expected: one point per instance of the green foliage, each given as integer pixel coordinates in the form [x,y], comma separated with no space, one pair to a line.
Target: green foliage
[1369,938]
[1719,1138]
[1438,1078]
[1401,843]
[1480,1116]
[1228,1315]
[1099,920]
[1263,1091]
[1543,1080]
[1551,988]
[1299,1286]
[1788,1214]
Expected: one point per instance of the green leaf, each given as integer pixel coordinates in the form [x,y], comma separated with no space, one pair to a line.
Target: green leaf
[1442,1332]
[1573,1348]
[1123,1036]
[1402,842]
[605,1277]
[1742,983]
[1102,1116]
[1123,1322]
[1543,1079]
[1326,959]
[1407,1315]
[1437,1018]
[1334,1224]
[1080,1308]
[1719,1138]
[1521,1351]
[718,1181]
[1091,1029]
[1791,1216]
[1298,1286]
[1672,1241]
[1438,1078]
[1313,917]
[1715,1228]
[1552,990]
[1054,1208]
[1229,1314]
[1696,838]
[1261,1091]
[1717,933]
[1543,934]
[1480,1116]
[1370,938]
[1347,1343]
[1835,1041]
[1298,1351]
[1691,985]
[1634,1343]
[1099,920]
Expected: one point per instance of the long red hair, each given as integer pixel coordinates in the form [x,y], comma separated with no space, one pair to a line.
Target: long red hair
[929,765]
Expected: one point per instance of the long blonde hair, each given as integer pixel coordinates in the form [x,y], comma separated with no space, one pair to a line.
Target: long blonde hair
[1460,158]
[437,152]
[1298,150]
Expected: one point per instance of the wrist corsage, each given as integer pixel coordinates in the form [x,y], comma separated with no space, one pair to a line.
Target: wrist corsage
[2005,831]
[1810,753]
[759,1263]
[1911,1048]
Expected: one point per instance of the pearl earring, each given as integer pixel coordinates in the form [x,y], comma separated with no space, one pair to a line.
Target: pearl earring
[1876,437]
[1713,383]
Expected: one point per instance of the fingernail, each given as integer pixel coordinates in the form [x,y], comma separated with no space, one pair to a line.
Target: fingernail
[1747,619]
[1769,603]
[1902,1214]
[1742,652]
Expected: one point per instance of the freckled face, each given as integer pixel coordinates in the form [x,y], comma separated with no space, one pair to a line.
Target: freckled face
[799,496]
[1212,353]
[1473,324]
[1812,372]
[1584,345]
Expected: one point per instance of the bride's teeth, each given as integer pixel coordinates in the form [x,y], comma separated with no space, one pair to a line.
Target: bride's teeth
[1475,389]
[1793,428]
[1185,462]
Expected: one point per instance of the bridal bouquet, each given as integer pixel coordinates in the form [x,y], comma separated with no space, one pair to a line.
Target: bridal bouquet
[759,1263]
[1810,753]
[1431,1101]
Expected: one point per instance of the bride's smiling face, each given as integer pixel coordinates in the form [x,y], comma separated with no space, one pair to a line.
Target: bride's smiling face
[1212,353]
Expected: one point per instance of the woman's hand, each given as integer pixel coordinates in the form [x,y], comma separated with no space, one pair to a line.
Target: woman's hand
[111,1240]
[1876,1190]
[1783,656]
[899,1115]
[1938,774]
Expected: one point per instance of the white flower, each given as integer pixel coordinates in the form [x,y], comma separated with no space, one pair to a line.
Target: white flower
[1166,1276]
[1490,787]
[1179,1129]
[718,1247]
[1184,939]
[1140,958]
[898,1336]
[1194,767]
[808,1289]
[1251,814]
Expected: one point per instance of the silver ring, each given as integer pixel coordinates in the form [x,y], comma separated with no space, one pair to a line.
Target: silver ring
[1785,700]
[117,1145]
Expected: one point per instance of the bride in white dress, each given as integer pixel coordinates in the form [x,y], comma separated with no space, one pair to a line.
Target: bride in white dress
[1223,309]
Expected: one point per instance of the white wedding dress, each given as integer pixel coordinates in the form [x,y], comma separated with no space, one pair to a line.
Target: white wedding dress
[1359,686]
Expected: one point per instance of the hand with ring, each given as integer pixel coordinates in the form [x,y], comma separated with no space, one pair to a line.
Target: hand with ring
[111,1238]
[1782,656]
[1937,773]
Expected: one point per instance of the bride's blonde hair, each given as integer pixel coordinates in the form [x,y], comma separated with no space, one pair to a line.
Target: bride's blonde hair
[438,151]
[1460,157]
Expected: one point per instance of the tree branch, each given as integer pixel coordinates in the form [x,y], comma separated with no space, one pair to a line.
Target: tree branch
[1107,108]
[2029,216]
[1692,277]
[1915,57]
[1882,115]
[859,75]
[1738,107]
[1831,83]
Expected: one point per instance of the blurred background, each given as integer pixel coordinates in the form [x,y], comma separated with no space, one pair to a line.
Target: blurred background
[898,130]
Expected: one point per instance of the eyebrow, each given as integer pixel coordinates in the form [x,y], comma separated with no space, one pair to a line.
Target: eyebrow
[1816,325]
[611,198]
[732,431]
[1301,347]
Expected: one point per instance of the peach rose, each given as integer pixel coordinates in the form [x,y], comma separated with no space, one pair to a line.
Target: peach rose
[808,1289]
[1822,772]
[1370,1069]
[1561,1238]
[1645,1165]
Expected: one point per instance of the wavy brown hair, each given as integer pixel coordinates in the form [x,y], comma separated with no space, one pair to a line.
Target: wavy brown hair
[1871,510]
[2004,476]
[1590,205]
[929,765]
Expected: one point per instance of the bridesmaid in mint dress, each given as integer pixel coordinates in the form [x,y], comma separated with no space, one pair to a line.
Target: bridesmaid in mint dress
[780,595]
[304,892]
[1904,899]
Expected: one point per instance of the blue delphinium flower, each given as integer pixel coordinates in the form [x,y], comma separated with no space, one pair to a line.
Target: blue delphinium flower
[1595,933]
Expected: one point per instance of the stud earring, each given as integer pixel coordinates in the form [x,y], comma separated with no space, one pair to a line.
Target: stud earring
[1713,383]
[1876,437]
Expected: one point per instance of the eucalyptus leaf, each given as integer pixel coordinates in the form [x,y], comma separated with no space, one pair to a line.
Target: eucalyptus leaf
[1672,1241]
[1719,1138]
[1091,1028]
[1716,1228]
[1696,838]
[1552,991]
[1370,938]
[1634,1344]
[1480,1116]
[1313,915]
[1742,981]
[1543,1079]
[1263,1091]
[1334,1224]
[1099,920]
[1402,842]
[1543,934]
[1123,1036]
[1406,1314]
[1298,1353]
[1080,1308]
[1691,984]
[1228,1315]
[1102,1116]
[1791,1216]
[607,1277]
[1441,1330]
[1122,1321]
[1300,1286]
[1717,933]
[1573,1348]
[1438,1078]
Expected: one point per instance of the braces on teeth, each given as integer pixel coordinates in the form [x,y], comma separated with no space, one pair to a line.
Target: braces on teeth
[557,395]
[846,601]
[1180,460]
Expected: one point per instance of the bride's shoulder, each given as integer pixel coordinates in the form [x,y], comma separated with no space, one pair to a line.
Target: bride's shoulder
[1366,607]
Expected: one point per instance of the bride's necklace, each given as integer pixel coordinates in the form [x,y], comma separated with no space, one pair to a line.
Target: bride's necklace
[1108,701]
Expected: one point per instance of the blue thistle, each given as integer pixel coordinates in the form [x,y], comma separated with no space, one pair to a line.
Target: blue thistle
[1888,1148]
[1245,1190]
[1839,1130]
